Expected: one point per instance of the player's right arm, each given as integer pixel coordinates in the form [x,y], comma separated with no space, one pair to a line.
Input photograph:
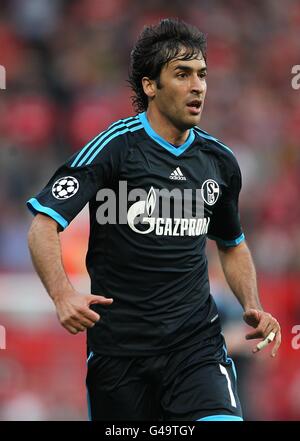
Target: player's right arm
[71,187]
[72,307]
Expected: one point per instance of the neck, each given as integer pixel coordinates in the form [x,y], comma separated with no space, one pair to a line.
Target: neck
[164,127]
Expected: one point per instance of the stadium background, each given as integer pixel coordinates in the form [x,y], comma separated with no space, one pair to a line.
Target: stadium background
[66,64]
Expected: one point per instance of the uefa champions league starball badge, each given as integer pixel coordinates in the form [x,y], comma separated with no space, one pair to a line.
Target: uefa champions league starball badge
[65,188]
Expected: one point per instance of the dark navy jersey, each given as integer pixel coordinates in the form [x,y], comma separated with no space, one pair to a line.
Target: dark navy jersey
[151,206]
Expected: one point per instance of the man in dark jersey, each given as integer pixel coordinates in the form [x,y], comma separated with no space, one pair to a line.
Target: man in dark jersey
[157,185]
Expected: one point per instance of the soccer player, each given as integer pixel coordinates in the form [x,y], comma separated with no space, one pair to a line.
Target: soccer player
[155,347]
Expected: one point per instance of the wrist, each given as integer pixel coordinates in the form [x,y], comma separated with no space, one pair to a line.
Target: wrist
[61,293]
[256,306]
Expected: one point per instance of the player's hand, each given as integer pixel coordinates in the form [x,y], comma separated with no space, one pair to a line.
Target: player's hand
[266,327]
[74,313]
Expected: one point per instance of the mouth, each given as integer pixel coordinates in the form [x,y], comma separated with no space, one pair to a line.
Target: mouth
[194,106]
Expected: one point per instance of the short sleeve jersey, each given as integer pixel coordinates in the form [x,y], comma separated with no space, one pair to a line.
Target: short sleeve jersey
[152,205]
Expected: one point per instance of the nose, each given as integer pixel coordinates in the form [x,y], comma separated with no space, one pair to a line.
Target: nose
[198,85]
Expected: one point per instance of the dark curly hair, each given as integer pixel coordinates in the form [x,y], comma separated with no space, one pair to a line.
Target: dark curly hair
[156,46]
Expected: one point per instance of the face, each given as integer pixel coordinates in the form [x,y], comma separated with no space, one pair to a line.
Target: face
[179,95]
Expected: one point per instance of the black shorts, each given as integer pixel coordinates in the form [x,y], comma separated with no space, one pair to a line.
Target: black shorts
[194,383]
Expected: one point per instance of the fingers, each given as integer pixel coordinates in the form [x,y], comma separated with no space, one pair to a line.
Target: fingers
[92,315]
[71,329]
[277,344]
[264,327]
[267,328]
[270,337]
[87,323]
[93,299]
[79,322]
[74,313]
[89,317]
[73,326]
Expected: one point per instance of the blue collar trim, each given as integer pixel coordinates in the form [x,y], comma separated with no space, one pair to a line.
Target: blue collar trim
[177,151]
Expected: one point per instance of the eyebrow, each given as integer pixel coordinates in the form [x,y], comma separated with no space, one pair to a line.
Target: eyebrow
[186,68]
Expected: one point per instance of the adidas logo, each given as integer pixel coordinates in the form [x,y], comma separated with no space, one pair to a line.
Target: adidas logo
[177,175]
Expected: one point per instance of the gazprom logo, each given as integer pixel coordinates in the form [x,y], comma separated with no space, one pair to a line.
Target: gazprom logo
[2,77]
[2,337]
[141,212]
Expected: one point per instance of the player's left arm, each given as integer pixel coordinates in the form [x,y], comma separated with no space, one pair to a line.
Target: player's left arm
[240,274]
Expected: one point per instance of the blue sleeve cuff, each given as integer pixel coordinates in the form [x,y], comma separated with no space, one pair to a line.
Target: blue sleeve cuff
[228,243]
[221,418]
[35,207]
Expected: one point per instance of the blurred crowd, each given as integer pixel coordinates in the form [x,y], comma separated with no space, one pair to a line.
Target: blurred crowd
[66,67]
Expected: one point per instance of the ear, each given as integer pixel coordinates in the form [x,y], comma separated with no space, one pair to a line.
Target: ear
[149,87]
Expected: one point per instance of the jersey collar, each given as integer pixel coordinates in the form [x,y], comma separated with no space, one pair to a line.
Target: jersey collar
[177,151]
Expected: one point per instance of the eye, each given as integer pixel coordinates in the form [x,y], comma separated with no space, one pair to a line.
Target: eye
[203,75]
[182,75]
